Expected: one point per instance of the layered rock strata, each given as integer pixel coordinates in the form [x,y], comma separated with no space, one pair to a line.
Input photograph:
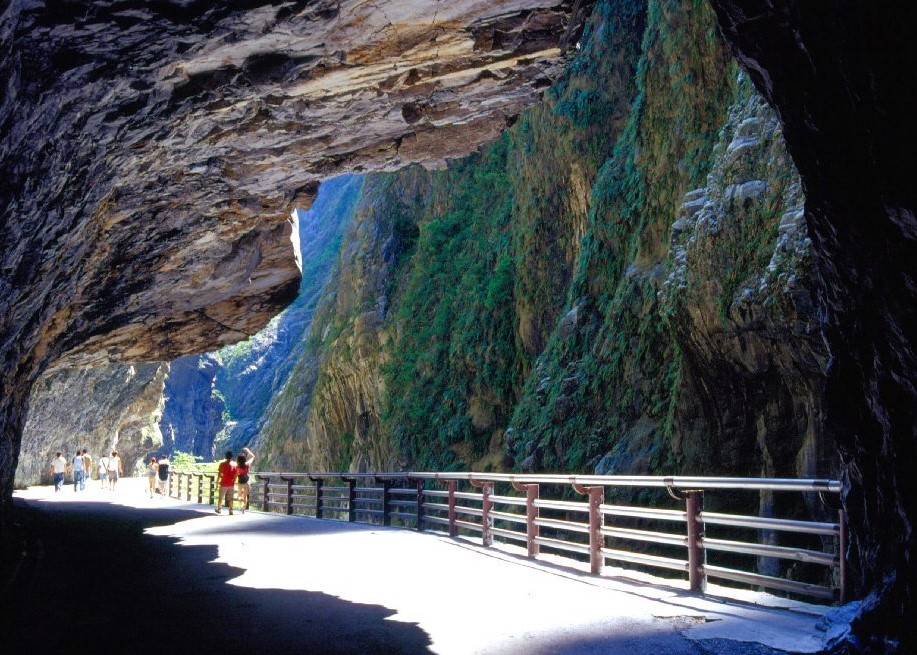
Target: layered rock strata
[126,403]
[152,154]
[839,78]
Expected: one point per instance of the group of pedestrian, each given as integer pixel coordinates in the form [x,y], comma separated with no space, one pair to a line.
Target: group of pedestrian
[80,468]
[157,472]
[234,475]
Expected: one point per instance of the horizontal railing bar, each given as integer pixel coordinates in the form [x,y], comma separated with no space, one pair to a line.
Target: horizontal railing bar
[509,534]
[645,535]
[571,526]
[374,490]
[658,481]
[509,516]
[765,550]
[403,515]
[644,512]
[509,500]
[567,505]
[441,507]
[434,519]
[370,501]
[469,525]
[469,511]
[769,582]
[788,525]
[675,482]
[435,494]
[402,503]
[468,495]
[327,489]
[402,492]
[648,560]
[562,545]
[372,512]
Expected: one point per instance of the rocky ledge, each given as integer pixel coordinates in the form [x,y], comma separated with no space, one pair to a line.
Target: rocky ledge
[835,76]
[151,154]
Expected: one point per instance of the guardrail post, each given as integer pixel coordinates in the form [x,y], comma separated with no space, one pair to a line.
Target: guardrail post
[171,483]
[289,482]
[200,490]
[596,540]
[487,522]
[453,528]
[697,555]
[420,486]
[531,516]
[842,555]
[351,499]
[188,488]
[265,498]
[210,481]
[386,498]
[319,497]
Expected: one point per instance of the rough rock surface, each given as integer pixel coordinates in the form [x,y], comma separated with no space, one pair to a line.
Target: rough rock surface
[192,413]
[123,415]
[336,387]
[839,76]
[741,301]
[152,152]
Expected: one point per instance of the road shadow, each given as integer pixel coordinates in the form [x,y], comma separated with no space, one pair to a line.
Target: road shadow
[85,577]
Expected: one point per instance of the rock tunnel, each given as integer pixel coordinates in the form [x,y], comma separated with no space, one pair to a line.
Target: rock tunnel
[151,153]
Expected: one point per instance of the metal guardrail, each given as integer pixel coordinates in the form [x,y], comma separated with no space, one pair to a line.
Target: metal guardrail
[586,529]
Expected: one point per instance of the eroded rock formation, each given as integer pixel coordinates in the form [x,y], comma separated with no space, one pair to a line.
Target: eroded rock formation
[126,401]
[152,152]
[840,77]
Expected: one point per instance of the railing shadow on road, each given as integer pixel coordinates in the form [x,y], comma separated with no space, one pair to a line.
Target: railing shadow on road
[625,581]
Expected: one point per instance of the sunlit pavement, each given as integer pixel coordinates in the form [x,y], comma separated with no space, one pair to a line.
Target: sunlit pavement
[469,599]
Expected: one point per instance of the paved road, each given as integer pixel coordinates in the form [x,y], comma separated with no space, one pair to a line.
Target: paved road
[124,573]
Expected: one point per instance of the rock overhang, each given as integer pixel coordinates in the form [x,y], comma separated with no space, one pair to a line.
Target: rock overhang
[154,151]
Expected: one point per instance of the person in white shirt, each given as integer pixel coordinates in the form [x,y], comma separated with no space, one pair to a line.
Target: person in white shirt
[77,466]
[59,471]
[103,470]
[114,469]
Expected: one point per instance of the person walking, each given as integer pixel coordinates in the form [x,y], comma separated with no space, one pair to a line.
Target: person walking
[164,475]
[114,469]
[103,471]
[87,468]
[243,468]
[152,471]
[59,471]
[77,466]
[227,473]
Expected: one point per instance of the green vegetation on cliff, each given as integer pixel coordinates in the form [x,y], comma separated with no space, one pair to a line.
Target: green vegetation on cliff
[549,302]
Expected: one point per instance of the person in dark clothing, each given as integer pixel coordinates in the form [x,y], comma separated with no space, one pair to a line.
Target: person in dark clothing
[243,469]
[163,484]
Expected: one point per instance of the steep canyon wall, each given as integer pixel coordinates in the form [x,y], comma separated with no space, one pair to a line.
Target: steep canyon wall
[838,77]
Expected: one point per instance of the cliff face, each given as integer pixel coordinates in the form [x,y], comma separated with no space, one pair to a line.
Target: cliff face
[327,416]
[152,153]
[192,414]
[834,75]
[126,402]
[564,295]
[253,371]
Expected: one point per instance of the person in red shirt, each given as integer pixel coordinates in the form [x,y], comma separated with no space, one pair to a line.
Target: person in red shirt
[227,472]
